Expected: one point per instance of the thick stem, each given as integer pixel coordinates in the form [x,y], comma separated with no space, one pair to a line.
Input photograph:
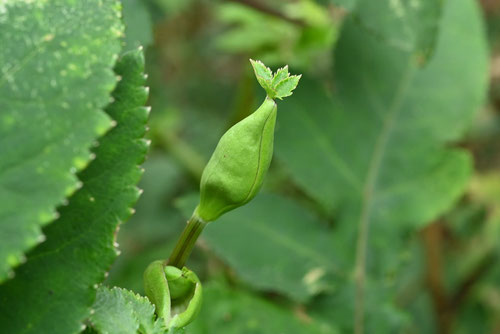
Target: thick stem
[186,242]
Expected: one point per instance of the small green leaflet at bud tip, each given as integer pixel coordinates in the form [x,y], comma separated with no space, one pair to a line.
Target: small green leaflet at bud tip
[278,85]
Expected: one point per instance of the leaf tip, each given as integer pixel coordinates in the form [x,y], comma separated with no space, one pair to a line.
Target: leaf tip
[277,85]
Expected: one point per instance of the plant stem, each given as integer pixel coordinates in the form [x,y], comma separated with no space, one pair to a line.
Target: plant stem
[186,242]
[432,236]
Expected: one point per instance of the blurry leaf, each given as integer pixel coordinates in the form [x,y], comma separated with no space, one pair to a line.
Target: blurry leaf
[339,309]
[252,30]
[57,59]
[493,25]
[200,101]
[274,40]
[128,269]
[345,4]
[485,188]
[407,25]
[170,8]
[384,152]
[376,152]
[466,219]
[155,218]
[226,311]
[484,244]
[473,318]
[151,231]
[54,290]
[138,24]
[396,302]
[489,296]
[120,311]
[273,244]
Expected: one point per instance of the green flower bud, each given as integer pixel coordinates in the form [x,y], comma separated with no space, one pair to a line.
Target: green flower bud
[176,293]
[236,170]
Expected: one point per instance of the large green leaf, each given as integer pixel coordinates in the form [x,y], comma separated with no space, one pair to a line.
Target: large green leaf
[274,244]
[54,291]
[56,75]
[227,311]
[408,25]
[377,152]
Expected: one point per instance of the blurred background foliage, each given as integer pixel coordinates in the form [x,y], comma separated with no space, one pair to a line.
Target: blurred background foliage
[285,262]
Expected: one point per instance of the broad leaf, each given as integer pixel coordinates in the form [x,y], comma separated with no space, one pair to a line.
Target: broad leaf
[54,291]
[56,76]
[408,25]
[227,311]
[377,152]
[273,244]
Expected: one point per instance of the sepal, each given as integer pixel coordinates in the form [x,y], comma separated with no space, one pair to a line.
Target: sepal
[176,293]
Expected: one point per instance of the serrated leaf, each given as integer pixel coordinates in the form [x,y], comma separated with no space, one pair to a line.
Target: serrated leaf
[261,71]
[54,290]
[264,75]
[281,74]
[278,86]
[119,311]
[56,76]
[294,256]
[377,154]
[228,311]
[286,86]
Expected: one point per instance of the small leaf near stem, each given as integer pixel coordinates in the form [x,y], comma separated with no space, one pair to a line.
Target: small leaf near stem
[186,242]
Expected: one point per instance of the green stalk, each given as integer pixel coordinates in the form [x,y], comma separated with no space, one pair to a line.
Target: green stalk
[186,242]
